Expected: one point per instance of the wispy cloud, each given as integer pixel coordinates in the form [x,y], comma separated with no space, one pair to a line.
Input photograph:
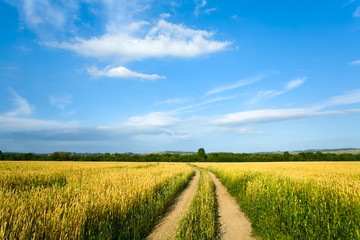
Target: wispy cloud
[236,17]
[199,4]
[273,115]
[43,12]
[357,12]
[241,83]
[268,94]
[122,13]
[46,17]
[157,124]
[233,130]
[173,101]
[294,83]
[264,96]
[349,2]
[210,10]
[60,102]
[351,97]
[19,119]
[152,123]
[153,120]
[357,62]
[162,40]
[22,107]
[165,15]
[17,124]
[191,107]
[121,72]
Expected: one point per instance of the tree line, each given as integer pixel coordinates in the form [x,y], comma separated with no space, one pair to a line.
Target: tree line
[200,156]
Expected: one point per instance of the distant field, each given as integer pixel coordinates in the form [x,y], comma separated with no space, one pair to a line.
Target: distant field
[303,200]
[352,151]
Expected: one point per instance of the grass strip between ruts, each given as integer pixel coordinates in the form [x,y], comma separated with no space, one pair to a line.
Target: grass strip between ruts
[200,221]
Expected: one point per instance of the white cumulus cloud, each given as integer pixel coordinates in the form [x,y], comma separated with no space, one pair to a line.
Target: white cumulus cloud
[126,31]
[163,39]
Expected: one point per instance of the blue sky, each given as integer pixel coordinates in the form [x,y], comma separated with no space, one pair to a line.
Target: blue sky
[147,76]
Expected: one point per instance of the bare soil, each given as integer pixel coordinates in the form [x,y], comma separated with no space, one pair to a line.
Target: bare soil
[234,224]
[167,227]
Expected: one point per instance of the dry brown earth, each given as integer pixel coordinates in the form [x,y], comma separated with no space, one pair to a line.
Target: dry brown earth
[166,229]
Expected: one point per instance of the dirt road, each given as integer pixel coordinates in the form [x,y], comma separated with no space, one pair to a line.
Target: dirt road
[234,224]
[166,229]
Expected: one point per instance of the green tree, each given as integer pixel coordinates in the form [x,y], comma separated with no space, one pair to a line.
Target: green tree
[64,157]
[201,154]
[0,155]
[54,156]
[26,157]
[286,156]
[107,157]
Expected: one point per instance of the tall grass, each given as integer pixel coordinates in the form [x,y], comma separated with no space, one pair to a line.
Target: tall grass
[200,222]
[86,200]
[290,201]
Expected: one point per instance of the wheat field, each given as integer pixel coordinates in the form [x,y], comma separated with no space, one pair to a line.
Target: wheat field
[306,200]
[67,200]
[97,200]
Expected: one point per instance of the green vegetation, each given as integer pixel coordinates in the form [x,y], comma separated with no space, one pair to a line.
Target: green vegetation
[200,222]
[200,156]
[56,200]
[296,200]
[281,157]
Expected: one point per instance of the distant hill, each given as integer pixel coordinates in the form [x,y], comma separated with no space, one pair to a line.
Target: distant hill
[336,151]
